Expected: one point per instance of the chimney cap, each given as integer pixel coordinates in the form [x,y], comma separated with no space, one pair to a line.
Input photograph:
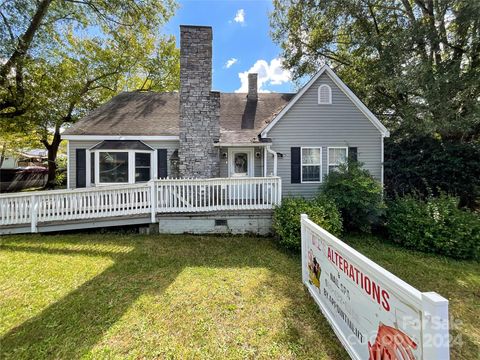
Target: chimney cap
[196,26]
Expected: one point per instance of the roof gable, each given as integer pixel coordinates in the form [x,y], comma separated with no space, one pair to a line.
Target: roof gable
[343,87]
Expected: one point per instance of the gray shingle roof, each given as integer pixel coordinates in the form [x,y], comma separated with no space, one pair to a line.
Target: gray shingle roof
[149,113]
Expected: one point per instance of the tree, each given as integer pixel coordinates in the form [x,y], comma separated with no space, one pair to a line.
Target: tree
[415,63]
[30,29]
[116,48]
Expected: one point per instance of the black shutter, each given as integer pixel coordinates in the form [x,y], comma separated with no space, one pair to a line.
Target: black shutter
[295,165]
[353,154]
[81,160]
[92,168]
[162,163]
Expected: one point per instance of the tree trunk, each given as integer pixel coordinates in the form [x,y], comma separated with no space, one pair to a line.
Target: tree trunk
[52,158]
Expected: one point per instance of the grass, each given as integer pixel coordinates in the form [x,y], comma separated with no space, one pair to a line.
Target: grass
[184,297]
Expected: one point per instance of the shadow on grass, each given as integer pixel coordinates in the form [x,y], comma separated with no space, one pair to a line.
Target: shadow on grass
[70,327]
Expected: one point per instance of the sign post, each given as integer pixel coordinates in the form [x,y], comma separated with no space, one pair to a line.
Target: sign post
[375,314]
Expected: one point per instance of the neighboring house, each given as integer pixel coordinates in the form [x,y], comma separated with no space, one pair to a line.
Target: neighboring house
[24,158]
[200,133]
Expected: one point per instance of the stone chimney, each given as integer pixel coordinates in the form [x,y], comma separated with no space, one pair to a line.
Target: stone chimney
[199,106]
[252,87]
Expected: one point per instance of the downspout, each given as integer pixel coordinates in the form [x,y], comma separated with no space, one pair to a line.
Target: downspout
[264,162]
[274,160]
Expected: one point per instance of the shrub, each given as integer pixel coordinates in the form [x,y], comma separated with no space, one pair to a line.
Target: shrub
[357,195]
[434,225]
[286,219]
[424,165]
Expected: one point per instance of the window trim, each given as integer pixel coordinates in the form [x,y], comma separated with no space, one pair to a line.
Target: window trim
[328,156]
[329,94]
[320,164]
[131,165]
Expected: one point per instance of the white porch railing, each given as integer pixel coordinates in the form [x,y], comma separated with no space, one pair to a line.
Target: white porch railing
[156,196]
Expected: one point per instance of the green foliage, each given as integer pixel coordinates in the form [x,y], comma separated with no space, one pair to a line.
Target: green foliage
[357,195]
[434,225]
[41,31]
[426,166]
[80,56]
[414,63]
[286,219]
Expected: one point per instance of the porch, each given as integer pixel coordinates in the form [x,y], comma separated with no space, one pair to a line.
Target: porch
[134,204]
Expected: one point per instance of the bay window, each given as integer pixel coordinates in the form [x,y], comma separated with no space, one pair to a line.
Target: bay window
[121,162]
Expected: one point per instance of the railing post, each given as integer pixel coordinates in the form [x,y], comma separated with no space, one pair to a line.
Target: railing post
[153,201]
[34,213]
[303,237]
[435,327]
[279,191]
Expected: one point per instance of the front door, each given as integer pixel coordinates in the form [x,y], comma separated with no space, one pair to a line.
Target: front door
[240,162]
[240,165]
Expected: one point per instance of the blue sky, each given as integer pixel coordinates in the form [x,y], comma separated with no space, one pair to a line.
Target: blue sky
[241,42]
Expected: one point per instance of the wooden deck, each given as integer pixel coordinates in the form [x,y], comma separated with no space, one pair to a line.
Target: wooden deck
[134,204]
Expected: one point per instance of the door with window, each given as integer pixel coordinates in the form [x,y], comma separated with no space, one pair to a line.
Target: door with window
[240,165]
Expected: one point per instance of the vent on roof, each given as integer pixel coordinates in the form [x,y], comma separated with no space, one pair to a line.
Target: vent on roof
[324,94]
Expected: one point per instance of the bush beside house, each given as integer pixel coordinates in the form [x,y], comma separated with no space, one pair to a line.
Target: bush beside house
[434,225]
[357,195]
[286,219]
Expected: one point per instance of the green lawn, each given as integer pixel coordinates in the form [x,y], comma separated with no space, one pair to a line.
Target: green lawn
[137,296]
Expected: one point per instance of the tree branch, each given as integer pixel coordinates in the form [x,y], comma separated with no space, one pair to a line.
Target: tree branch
[24,41]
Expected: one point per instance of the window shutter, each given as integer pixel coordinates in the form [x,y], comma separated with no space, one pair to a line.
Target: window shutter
[295,165]
[81,171]
[162,168]
[92,168]
[353,154]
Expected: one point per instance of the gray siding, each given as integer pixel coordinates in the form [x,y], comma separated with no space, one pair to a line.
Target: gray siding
[309,124]
[171,146]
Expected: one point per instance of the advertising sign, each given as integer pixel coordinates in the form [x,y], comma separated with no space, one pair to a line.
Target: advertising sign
[375,314]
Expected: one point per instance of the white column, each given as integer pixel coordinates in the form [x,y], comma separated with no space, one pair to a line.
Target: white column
[97,167]
[34,213]
[131,167]
[154,164]
[264,162]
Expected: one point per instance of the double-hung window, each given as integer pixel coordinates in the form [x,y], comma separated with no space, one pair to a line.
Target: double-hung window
[142,167]
[336,157]
[311,164]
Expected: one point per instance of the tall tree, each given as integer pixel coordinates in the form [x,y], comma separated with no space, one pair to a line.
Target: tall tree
[414,62]
[84,53]
[29,29]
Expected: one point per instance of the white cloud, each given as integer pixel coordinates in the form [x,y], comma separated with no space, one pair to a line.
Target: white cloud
[230,63]
[268,74]
[239,16]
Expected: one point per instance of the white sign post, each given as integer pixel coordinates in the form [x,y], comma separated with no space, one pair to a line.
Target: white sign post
[375,314]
